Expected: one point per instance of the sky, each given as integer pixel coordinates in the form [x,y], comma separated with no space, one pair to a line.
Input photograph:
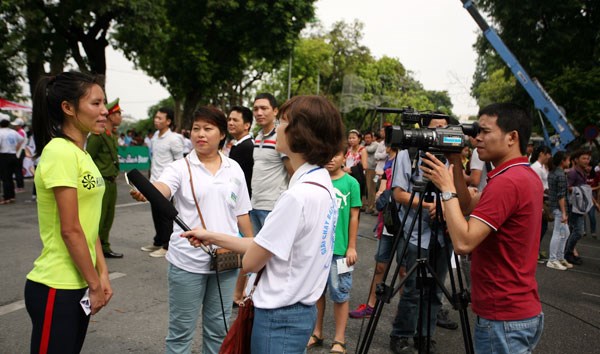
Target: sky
[432,38]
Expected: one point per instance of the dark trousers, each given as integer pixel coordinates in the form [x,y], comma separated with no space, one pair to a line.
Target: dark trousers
[8,163]
[19,171]
[108,212]
[163,227]
[59,323]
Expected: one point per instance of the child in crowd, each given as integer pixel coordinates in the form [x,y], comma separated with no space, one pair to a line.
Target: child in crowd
[339,283]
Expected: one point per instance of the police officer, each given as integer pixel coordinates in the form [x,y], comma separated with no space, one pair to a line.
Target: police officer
[103,150]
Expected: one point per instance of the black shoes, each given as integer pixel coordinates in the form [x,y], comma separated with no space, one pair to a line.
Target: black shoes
[444,321]
[112,254]
[574,260]
[400,345]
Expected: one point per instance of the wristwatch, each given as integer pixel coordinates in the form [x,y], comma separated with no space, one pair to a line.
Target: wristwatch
[446,196]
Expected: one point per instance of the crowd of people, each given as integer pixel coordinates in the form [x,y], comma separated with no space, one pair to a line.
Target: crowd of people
[289,198]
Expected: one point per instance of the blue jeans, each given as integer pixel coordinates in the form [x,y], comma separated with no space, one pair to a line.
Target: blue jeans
[557,243]
[190,292]
[284,330]
[338,285]
[405,323]
[592,217]
[384,251]
[508,337]
[257,217]
[577,225]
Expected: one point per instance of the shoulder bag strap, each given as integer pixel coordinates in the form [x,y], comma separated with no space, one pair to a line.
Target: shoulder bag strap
[194,193]
[258,275]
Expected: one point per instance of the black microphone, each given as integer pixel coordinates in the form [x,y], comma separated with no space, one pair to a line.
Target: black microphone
[158,201]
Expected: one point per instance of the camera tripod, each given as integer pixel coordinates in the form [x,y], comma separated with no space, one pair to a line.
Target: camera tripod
[426,276]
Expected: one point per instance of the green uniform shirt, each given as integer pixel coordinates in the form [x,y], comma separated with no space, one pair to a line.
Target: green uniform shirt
[347,193]
[103,149]
[63,164]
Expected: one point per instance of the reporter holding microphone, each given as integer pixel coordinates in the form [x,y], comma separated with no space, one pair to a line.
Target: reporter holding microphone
[207,188]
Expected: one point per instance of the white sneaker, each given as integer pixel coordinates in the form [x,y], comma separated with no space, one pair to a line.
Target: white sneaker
[555,265]
[161,252]
[566,264]
[150,248]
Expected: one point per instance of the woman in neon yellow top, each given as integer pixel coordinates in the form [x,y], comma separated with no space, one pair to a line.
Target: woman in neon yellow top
[69,187]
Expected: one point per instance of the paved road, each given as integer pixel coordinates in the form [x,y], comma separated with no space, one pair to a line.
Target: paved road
[135,320]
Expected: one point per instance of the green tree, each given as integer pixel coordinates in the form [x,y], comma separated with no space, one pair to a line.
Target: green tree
[49,33]
[198,45]
[555,41]
[10,58]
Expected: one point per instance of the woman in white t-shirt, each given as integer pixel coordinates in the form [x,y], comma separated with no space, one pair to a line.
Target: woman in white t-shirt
[295,246]
[222,196]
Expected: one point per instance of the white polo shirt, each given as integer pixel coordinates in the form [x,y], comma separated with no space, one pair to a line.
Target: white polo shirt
[222,198]
[300,233]
[165,149]
[9,139]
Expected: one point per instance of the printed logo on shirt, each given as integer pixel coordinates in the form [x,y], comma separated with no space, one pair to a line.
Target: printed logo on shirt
[341,198]
[328,230]
[88,181]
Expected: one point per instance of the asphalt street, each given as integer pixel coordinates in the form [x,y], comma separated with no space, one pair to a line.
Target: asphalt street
[135,321]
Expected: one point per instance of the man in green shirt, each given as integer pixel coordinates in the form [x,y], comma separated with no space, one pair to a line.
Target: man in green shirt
[103,148]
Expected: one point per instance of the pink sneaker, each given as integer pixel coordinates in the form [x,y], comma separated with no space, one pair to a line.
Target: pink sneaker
[363,310]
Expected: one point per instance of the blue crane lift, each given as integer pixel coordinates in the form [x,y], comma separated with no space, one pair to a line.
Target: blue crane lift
[542,100]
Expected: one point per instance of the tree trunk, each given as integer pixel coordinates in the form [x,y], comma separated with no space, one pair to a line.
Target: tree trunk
[95,50]
[177,112]
[192,99]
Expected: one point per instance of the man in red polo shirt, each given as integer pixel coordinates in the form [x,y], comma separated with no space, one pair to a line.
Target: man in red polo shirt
[502,233]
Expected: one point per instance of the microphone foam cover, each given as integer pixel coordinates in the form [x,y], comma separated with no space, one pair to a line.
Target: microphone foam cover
[153,195]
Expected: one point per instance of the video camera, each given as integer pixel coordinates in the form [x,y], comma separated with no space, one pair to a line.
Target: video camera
[449,139]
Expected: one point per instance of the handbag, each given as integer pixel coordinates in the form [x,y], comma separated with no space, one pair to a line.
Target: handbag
[221,258]
[239,336]
[224,259]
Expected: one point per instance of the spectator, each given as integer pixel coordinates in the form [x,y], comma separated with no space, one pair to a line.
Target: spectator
[557,202]
[356,160]
[18,125]
[10,143]
[384,252]
[339,283]
[271,168]
[576,177]
[242,149]
[371,147]
[167,147]
[539,161]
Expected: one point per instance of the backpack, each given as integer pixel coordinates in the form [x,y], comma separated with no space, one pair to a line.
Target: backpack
[389,210]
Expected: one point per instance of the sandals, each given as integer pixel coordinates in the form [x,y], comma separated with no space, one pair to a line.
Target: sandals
[7,201]
[317,343]
[334,343]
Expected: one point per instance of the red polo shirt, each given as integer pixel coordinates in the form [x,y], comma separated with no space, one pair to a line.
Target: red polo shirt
[504,264]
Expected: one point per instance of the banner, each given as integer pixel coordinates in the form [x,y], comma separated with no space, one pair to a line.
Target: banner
[131,157]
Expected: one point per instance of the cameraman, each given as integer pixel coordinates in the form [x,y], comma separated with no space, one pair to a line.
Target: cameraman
[502,233]
[405,323]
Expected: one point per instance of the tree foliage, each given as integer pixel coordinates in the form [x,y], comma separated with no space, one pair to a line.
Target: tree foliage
[196,45]
[556,42]
[49,33]
[335,63]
